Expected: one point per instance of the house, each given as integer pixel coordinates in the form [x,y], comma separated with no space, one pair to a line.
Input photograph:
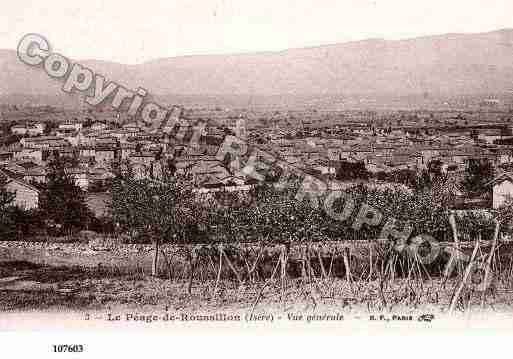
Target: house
[66,132]
[98,203]
[142,163]
[20,130]
[86,151]
[6,155]
[79,175]
[99,126]
[502,189]
[71,125]
[504,156]
[99,177]
[59,152]
[490,136]
[227,188]
[375,166]
[44,142]
[124,133]
[215,176]
[132,127]
[104,155]
[172,120]
[35,174]
[35,154]
[201,162]
[126,149]
[14,170]
[26,196]
[36,129]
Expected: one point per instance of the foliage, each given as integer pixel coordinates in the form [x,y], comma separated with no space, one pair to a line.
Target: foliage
[49,127]
[10,140]
[477,174]
[434,169]
[6,197]
[279,217]
[170,211]
[351,171]
[162,209]
[63,202]
[6,202]
[407,177]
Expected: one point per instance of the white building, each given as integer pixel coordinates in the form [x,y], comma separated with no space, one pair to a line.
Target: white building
[502,189]
[26,196]
[70,125]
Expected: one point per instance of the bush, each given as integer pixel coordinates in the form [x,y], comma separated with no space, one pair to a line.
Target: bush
[18,224]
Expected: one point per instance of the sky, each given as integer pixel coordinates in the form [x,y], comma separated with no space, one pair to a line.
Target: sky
[137,31]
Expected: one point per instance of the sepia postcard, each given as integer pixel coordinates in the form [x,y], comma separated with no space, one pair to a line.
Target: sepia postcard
[192,172]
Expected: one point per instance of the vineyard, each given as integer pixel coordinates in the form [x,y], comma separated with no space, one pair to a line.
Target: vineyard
[266,248]
[362,274]
[271,240]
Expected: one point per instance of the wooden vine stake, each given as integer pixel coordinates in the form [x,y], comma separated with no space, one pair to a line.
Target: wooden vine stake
[218,271]
[230,264]
[346,264]
[489,262]
[453,257]
[464,280]
[321,264]
[259,296]
[283,261]
[192,265]
[370,262]
[391,264]
[253,268]
[303,263]
[155,261]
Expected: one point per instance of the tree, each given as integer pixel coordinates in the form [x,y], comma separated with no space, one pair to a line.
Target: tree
[6,203]
[412,179]
[434,168]
[423,181]
[49,127]
[477,174]
[5,127]
[351,171]
[62,201]
[10,140]
[6,197]
[163,209]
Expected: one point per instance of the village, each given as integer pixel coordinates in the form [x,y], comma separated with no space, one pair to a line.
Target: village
[395,147]
[95,188]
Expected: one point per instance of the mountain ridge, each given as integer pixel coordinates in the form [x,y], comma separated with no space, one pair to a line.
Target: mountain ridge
[448,64]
